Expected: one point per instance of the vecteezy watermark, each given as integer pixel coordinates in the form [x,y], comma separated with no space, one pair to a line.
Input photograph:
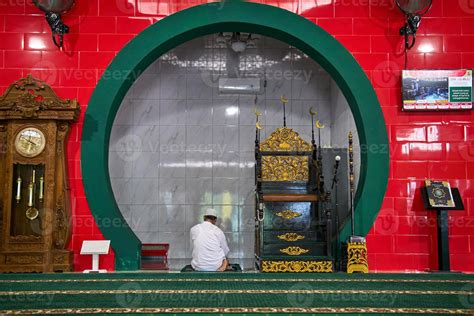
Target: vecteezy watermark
[49,71]
[390,4]
[130,7]
[432,222]
[213,299]
[12,3]
[388,299]
[297,296]
[105,222]
[300,296]
[126,6]
[387,74]
[51,74]
[129,148]
[129,295]
[387,222]
[44,225]
[211,79]
[467,6]
[21,298]
[467,300]
[466,150]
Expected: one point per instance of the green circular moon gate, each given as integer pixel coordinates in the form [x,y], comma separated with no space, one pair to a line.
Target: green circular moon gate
[212,18]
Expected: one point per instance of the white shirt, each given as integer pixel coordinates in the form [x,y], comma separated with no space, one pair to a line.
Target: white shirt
[209,247]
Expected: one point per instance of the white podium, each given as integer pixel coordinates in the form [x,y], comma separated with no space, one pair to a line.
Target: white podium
[95,248]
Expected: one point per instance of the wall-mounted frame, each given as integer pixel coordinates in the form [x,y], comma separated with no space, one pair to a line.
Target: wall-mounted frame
[433,90]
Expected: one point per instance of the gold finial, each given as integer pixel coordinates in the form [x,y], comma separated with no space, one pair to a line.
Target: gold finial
[312,112]
[350,135]
[258,125]
[320,125]
[284,101]
[257,113]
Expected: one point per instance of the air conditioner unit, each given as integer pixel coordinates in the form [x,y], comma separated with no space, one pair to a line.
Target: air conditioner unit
[240,86]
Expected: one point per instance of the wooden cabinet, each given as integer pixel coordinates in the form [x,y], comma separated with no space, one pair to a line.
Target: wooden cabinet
[34,200]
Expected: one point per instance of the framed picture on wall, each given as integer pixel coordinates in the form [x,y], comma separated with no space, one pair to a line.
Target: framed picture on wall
[432,90]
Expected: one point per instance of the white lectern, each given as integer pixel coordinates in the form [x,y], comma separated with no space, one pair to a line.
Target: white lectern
[95,248]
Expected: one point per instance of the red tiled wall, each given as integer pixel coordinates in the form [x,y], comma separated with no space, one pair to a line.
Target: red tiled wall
[423,145]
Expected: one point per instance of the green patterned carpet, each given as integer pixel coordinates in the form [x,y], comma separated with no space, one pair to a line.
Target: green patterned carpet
[237,293]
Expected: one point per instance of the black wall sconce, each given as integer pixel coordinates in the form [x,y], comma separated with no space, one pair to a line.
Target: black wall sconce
[53,10]
[413,10]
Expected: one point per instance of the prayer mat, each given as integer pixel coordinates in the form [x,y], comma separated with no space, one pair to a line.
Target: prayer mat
[233,267]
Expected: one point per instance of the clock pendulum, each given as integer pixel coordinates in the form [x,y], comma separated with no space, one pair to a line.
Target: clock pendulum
[32,213]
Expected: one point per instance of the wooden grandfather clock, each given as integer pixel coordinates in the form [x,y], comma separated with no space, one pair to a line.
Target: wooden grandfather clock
[34,195]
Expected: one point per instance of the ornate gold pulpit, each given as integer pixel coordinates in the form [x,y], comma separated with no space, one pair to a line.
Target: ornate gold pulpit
[292,233]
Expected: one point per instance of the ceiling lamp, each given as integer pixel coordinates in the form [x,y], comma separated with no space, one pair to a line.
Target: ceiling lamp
[413,10]
[236,40]
[237,44]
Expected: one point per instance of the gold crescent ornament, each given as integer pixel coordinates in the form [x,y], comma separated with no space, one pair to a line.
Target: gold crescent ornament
[283,99]
[312,112]
[257,125]
[320,125]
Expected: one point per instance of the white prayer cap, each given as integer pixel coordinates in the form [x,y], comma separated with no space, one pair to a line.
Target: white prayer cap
[210,212]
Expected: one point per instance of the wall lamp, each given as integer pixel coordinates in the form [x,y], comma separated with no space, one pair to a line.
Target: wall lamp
[413,10]
[53,10]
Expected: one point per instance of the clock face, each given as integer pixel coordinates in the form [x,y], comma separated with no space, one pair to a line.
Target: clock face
[30,142]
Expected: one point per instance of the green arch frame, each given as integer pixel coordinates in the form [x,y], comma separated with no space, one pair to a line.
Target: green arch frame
[206,19]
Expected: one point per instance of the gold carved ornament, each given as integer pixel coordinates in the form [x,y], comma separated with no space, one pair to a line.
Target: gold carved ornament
[285,168]
[285,139]
[297,266]
[288,214]
[294,250]
[291,237]
[33,98]
[357,258]
[24,259]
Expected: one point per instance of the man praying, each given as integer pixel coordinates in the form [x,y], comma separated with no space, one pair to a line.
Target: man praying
[209,245]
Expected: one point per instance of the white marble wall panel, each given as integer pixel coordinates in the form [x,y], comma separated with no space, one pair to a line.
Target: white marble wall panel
[178,147]
[343,123]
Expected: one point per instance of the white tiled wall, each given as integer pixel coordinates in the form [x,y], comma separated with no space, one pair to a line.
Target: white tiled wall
[178,147]
[343,123]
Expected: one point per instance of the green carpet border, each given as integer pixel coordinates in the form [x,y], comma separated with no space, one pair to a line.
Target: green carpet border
[248,293]
[140,275]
